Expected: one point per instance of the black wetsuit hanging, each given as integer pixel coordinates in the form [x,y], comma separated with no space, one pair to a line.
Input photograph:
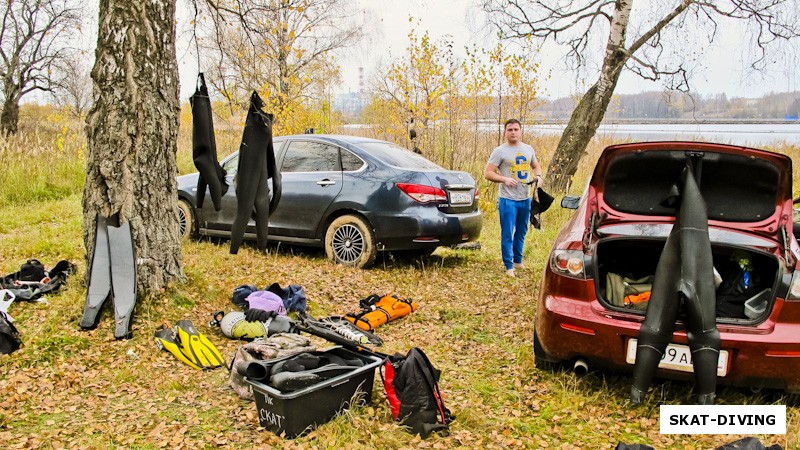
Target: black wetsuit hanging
[256,166]
[204,148]
[684,277]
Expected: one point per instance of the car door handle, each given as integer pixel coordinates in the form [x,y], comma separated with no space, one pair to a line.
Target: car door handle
[325,182]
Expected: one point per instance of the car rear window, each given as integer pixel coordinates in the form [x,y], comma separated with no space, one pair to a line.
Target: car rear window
[397,156]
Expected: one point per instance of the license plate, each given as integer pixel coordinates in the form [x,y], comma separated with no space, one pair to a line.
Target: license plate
[460,198]
[678,357]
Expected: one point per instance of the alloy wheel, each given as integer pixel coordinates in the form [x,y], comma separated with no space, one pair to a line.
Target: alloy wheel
[348,243]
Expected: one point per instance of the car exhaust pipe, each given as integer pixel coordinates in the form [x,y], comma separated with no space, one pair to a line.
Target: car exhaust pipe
[580,367]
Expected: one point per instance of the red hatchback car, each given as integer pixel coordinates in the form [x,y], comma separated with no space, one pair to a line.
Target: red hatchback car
[596,286]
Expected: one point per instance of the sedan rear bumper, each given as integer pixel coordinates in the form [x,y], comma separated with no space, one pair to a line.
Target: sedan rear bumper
[765,356]
[425,227]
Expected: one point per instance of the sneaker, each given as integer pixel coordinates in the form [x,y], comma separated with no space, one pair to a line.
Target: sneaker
[519,265]
[510,272]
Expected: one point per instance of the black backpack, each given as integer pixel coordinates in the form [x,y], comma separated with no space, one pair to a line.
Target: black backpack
[9,337]
[412,387]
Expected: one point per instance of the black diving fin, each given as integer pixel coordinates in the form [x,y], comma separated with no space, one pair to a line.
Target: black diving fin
[99,278]
[113,272]
[123,277]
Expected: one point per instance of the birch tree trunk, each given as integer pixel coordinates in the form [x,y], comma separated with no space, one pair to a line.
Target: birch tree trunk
[590,110]
[132,133]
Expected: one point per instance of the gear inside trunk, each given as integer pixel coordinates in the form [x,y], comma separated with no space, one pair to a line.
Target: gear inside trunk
[745,283]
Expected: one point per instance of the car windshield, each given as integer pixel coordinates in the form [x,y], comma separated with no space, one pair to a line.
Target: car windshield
[397,156]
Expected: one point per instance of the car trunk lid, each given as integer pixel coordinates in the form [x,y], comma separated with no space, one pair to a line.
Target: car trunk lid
[459,187]
[744,189]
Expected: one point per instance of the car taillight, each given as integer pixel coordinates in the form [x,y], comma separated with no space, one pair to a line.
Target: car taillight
[422,193]
[794,288]
[477,193]
[568,263]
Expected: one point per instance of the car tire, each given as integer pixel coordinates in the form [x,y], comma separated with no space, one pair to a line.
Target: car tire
[542,360]
[186,220]
[351,242]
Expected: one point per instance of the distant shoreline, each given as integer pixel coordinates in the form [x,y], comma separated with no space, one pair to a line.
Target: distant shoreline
[644,121]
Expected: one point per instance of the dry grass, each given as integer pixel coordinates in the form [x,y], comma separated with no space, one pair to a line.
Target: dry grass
[73,389]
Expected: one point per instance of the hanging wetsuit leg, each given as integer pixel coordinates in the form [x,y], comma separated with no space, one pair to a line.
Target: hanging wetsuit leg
[252,169]
[697,286]
[204,148]
[659,323]
[685,271]
[262,212]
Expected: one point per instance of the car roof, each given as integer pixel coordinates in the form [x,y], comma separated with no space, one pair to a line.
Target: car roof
[333,138]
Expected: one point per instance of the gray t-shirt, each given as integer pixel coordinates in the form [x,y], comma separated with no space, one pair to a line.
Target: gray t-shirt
[514,162]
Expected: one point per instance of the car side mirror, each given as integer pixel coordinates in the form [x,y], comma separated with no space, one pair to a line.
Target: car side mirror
[570,202]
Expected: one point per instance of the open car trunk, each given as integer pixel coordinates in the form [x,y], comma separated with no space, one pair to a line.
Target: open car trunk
[624,269]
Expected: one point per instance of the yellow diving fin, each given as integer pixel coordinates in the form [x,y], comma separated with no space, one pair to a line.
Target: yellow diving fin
[165,340]
[196,347]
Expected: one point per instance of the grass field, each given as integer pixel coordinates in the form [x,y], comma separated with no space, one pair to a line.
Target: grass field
[68,388]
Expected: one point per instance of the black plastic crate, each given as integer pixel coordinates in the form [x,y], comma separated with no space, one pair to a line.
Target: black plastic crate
[297,412]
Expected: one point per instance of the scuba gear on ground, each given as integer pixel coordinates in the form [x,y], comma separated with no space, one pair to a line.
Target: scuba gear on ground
[196,347]
[377,310]
[261,350]
[293,296]
[9,336]
[166,340]
[299,371]
[262,305]
[112,273]
[32,281]
[342,327]
[235,325]
[684,278]
[412,388]
[256,167]
[239,297]
[204,148]
[31,270]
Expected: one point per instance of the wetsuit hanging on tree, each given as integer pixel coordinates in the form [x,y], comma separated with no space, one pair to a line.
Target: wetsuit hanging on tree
[204,148]
[256,166]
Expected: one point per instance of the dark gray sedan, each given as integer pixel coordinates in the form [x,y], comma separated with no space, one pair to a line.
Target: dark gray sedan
[354,196]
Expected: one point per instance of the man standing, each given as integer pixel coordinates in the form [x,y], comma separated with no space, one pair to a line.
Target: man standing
[514,166]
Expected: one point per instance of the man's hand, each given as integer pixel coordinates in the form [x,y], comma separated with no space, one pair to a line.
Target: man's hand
[510,182]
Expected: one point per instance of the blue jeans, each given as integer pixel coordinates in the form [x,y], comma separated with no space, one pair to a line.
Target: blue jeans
[514,218]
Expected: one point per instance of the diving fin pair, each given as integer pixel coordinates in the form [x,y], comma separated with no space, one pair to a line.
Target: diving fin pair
[189,346]
[112,274]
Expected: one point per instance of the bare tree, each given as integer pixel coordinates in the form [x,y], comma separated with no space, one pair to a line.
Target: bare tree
[132,131]
[656,48]
[275,45]
[33,39]
[73,89]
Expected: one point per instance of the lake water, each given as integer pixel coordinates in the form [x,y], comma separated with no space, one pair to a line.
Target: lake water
[745,134]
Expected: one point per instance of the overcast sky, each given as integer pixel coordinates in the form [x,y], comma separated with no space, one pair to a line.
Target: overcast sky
[389,19]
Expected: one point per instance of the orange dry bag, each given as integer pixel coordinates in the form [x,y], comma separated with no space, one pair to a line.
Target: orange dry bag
[378,310]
